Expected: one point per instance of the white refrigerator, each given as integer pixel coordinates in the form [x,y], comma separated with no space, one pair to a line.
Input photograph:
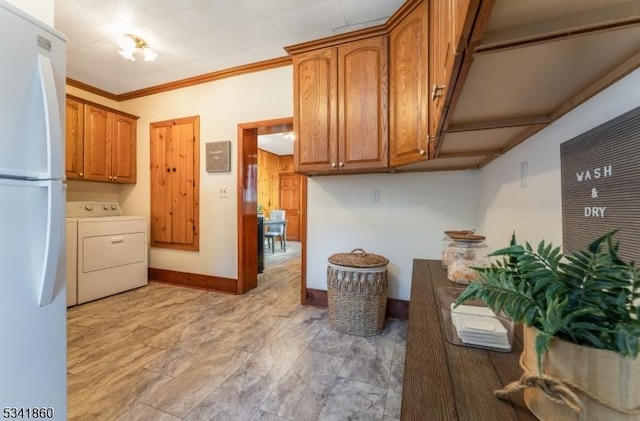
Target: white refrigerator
[32,219]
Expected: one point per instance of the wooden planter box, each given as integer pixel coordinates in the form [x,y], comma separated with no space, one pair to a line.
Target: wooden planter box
[613,378]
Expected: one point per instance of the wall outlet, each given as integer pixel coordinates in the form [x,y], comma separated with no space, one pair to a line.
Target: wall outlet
[375,196]
[223,192]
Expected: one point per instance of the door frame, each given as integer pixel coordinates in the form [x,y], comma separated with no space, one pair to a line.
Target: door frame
[247,201]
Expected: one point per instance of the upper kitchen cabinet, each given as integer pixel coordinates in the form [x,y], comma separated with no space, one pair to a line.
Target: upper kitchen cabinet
[451,23]
[408,84]
[524,65]
[100,143]
[123,149]
[74,126]
[340,104]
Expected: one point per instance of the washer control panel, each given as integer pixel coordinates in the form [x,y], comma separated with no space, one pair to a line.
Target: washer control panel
[92,209]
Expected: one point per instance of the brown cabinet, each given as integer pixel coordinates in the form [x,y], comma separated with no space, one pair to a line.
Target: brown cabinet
[175,183]
[123,149]
[408,87]
[100,142]
[340,107]
[451,22]
[74,155]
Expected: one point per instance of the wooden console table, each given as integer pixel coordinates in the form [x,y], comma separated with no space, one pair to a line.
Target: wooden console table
[451,382]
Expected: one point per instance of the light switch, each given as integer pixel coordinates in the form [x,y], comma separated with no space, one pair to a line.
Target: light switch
[375,196]
[523,174]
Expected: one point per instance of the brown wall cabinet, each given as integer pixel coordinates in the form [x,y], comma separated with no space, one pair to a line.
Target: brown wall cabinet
[74,126]
[408,87]
[175,183]
[340,107]
[451,23]
[100,142]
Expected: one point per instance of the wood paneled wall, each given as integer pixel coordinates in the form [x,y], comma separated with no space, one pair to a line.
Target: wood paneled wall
[269,167]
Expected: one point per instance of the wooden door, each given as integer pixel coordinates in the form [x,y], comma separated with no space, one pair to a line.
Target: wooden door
[175,183]
[315,113]
[98,128]
[409,104]
[160,173]
[440,59]
[123,149]
[362,104]
[74,139]
[291,203]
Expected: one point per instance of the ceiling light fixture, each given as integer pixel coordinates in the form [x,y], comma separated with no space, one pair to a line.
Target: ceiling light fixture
[130,43]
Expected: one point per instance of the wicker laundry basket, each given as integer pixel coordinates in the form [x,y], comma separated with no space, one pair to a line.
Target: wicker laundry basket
[357,289]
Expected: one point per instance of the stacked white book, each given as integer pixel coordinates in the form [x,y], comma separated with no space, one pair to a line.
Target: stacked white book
[479,326]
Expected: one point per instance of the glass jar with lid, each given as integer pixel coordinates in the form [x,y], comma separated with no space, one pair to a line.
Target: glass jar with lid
[465,253]
[446,242]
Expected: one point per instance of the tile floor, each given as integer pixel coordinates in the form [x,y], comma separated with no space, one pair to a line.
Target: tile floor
[166,353]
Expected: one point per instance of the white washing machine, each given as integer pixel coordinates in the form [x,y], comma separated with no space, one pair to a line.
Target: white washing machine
[111,250]
[72,261]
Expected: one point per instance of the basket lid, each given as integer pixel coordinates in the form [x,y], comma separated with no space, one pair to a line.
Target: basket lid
[358,258]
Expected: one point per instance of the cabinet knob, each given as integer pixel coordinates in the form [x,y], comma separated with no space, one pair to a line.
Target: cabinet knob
[437,91]
[173,169]
[115,177]
[168,169]
[423,152]
[81,174]
[333,165]
[341,164]
[110,178]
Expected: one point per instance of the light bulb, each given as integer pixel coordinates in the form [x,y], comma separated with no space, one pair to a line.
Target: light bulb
[148,54]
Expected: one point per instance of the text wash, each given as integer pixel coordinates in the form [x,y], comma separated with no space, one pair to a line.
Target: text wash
[596,173]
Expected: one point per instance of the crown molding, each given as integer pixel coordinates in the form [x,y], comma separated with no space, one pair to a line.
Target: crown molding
[184,83]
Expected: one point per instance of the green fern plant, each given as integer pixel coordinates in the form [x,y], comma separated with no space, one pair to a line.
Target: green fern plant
[590,298]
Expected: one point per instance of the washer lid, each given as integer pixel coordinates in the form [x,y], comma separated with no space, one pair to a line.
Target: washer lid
[92,209]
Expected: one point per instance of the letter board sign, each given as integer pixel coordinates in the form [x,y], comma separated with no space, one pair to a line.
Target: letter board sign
[218,154]
[601,185]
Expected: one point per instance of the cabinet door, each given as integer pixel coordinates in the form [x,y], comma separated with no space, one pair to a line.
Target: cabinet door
[363,95]
[175,183]
[315,113]
[74,139]
[408,102]
[98,128]
[440,60]
[123,149]
[451,22]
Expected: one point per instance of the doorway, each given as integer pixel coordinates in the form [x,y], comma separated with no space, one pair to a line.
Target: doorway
[247,203]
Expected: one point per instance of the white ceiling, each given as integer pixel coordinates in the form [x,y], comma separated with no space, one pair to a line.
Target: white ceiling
[276,143]
[195,37]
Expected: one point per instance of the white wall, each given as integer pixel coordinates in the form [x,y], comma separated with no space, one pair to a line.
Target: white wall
[221,105]
[40,9]
[408,223]
[535,212]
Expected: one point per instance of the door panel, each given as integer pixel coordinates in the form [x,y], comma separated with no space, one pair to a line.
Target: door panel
[290,201]
[175,183]
[362,82]
[97,143]
[123,150]
[315,110]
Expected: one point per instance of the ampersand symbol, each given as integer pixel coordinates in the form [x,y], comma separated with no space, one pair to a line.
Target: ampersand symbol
[594,193]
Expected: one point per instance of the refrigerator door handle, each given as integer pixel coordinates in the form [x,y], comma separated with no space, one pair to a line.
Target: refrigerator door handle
[53,243]
[52,118]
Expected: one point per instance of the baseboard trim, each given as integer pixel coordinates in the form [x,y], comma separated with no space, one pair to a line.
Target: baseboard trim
[396,309]
[194,280]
